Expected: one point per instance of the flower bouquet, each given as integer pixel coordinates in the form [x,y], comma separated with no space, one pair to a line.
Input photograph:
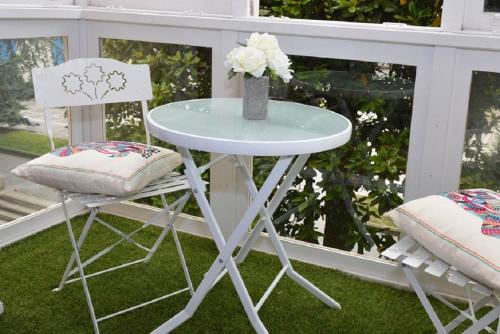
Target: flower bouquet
[259,59]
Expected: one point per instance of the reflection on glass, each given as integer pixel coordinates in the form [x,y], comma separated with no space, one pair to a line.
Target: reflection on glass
[342,192]
[481,154]
[411,12]
[22,125]
[178,72]
[491,5]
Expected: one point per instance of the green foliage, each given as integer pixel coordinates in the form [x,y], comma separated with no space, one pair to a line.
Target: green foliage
[365,178]
[15,89]
[355,183]
[359,181]
[481,165]
[414,12]
[18,57]
[12,93]
[178,72]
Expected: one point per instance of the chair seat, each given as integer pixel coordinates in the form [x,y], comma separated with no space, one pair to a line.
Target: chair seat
[114,168]
[166,184]
[453,234]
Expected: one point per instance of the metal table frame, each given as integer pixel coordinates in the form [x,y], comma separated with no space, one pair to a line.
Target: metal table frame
[293,154]
[225,263]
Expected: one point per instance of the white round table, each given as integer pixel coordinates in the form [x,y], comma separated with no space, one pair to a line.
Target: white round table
[217,125]
[292,131]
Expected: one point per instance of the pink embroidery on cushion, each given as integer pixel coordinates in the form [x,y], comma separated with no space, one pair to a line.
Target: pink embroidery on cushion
[113,149]
[483,203]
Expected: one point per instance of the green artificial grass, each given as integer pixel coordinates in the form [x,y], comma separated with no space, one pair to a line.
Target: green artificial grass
[30,269]
[26,142]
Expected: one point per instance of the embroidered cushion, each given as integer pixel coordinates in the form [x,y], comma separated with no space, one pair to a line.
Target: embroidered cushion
[453,233]
[111,168]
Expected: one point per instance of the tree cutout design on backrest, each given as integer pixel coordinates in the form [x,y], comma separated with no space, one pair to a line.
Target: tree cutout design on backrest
[94,82]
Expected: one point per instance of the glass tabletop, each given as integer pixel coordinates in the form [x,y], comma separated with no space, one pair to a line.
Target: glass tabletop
[219,122]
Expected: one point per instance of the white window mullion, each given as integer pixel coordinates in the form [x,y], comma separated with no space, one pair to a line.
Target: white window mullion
[229,197]
[475,18]
[433,144]
[452,15]
[87,123]
[467,62]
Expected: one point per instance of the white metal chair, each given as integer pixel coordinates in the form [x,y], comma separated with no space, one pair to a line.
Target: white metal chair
[63,86]
[411,256]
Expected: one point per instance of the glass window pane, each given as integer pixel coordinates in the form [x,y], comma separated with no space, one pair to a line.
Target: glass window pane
[358,182]
[178,72]
[492,5]
[481,155]
[22,125]
[412,12]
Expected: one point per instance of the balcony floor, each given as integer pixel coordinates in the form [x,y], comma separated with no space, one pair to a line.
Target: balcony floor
[30,269]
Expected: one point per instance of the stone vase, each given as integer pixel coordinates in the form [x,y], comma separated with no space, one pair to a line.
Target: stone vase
[255,97]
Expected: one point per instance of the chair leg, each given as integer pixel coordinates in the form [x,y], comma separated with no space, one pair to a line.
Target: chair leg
[75,256]
[497,303]
[169,223]
[81,239]
[484,321]
[79,264]
[461,318]
[423,299]
[183,260]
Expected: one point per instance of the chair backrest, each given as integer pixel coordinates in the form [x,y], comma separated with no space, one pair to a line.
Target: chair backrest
[90,81]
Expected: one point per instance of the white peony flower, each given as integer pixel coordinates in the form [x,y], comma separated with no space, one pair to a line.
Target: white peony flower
[280,64]
[247,59]
[264,42]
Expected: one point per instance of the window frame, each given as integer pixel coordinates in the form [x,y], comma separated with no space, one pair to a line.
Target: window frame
[467,62]
[20,29]
[475,18]
[439,55]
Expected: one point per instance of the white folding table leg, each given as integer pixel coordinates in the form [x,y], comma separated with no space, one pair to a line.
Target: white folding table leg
[273,235]
[248,244]
[226,249]
[79,264]
[273,204]
[81,239]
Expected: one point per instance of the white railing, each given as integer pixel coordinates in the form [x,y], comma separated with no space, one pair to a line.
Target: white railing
[445,60]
